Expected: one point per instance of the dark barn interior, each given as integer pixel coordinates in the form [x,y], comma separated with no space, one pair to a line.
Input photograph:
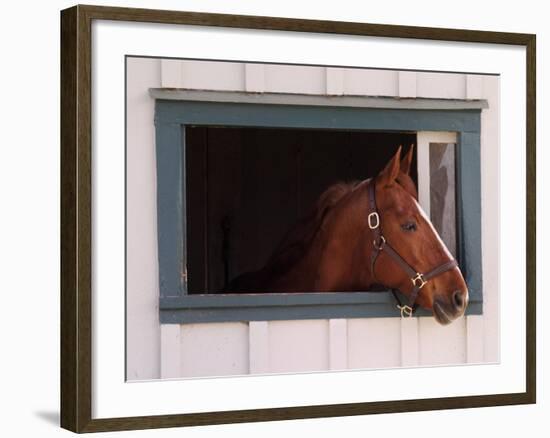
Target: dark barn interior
[245,187]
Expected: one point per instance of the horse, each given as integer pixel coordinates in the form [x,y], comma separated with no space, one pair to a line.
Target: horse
[366,234]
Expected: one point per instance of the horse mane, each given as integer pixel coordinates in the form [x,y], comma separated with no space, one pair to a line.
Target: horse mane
[298,239]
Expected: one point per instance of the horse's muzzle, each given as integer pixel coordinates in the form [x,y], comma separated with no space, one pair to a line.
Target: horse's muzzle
[459,301]
[446,312]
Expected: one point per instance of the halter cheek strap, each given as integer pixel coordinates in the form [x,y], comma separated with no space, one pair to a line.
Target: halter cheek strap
[379,244]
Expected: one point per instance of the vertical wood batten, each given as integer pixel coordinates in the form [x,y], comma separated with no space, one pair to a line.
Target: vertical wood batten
[170,343]
[171,73]
[258,348]
[338,344]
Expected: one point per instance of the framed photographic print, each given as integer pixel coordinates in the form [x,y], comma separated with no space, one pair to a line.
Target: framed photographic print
[292,215]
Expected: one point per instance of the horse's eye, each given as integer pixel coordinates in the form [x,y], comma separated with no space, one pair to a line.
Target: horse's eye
[409,226]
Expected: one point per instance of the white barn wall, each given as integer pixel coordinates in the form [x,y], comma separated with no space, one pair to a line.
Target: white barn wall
[200,75]
[438,345]
[338,344]
[371,82]
[142,306]
[221,349]
[490,159]
[305,80]
[298,346]
[292,346]
[436,85]
[374,342]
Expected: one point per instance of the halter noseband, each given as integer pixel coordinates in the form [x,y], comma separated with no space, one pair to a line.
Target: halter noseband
[379,244]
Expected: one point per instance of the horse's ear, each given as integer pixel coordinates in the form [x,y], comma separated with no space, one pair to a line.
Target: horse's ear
[407,160]
[390,172]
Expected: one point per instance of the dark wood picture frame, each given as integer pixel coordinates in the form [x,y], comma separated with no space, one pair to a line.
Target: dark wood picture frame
[76,218]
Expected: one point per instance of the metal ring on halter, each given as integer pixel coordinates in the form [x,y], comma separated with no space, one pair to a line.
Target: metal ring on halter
[380,244]
[376,224]
[406,311]
[418,278]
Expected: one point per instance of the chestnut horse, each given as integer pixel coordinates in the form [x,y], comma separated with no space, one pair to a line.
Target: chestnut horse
[340,247]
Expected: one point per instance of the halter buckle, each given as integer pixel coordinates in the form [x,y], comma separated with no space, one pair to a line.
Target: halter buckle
[374,220]
[418,280]
[379,244]
[406,311]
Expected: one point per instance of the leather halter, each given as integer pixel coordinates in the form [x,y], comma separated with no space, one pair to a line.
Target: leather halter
[379,243]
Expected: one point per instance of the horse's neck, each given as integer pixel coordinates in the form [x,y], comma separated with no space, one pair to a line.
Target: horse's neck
[301,276]
[338,267]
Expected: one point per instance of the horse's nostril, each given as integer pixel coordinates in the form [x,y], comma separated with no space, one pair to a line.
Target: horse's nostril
[459,298]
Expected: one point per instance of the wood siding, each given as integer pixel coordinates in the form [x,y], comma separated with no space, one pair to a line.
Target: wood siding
[237,348]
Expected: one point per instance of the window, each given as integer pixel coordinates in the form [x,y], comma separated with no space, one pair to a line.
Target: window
[200,248]
[437,188]
[247,187]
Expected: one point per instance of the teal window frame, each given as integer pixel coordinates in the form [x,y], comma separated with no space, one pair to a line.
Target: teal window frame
[171,118]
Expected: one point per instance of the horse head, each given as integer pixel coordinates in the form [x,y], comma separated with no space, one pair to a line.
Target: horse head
[408,232]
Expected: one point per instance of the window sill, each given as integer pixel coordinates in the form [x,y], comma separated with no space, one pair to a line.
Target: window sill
[283,306]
